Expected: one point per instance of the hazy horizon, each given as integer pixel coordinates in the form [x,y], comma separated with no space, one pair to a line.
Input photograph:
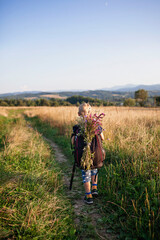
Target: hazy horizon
[88,44]
[114,88]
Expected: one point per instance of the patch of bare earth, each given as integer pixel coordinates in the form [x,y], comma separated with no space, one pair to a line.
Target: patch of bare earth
[82,211]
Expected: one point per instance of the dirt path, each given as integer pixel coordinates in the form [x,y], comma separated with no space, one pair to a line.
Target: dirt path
[88,219]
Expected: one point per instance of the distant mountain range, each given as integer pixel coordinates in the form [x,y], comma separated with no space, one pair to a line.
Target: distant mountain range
[18,93]
[133,88]
[116,93]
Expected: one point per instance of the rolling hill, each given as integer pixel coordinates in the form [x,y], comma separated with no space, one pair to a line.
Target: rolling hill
[121,93]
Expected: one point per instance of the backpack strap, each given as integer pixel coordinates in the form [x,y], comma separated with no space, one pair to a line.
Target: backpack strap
[99,146]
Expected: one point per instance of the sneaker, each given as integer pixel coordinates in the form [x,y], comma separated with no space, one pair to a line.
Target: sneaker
[88,200]
[94,193]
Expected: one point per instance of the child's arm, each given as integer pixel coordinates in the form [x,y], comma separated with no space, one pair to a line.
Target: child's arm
[72,140]
[102,136]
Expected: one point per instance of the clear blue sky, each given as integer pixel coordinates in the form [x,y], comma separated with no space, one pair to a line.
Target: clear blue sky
[78,44]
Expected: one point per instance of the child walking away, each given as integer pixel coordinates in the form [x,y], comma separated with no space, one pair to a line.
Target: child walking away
[88,151]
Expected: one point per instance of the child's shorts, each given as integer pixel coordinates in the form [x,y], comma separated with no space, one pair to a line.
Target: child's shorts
[86,175]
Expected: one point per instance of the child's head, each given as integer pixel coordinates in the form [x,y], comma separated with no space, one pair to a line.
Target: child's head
[84,109]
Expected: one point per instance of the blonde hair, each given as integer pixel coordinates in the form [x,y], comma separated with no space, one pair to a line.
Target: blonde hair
[84,109]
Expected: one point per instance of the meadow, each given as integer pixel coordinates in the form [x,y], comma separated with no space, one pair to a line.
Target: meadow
[129,182]
[31,188]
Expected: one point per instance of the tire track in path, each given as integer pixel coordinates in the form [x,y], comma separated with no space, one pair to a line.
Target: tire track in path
[88,220]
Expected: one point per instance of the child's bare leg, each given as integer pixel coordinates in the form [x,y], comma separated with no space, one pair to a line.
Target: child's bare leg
[86,176]
[94,178]
[87,187]
[94,181]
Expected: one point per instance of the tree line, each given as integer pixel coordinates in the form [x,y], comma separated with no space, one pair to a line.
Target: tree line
[140,99]
[74,100]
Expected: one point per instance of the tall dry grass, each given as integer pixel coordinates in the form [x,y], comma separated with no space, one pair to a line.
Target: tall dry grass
[135,129]
[131,176]
[115,118]
[3,111]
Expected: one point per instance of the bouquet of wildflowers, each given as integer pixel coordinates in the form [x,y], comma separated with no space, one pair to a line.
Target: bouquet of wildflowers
[90,125]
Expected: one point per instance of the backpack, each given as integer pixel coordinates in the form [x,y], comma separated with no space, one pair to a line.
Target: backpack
[96,148]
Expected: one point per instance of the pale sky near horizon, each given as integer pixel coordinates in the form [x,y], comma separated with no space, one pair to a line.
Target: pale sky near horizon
[50,45]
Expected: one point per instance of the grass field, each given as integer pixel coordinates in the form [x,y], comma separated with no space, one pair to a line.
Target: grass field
[129,182]
[32,203]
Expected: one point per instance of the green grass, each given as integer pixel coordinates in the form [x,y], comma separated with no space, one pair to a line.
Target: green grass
[129,191]
[52,134]
[132,193]
[85,229]
[33,204]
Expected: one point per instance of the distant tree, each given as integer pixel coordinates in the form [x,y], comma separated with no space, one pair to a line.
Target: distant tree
[65,103]
[55,103]
[157,100]
[44,102]
[141,96]
[77,104]
[11,102]
[106,103]
[76,100]
[129,102]
[30,102]
[38,102]
[3,103]
[20,102]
